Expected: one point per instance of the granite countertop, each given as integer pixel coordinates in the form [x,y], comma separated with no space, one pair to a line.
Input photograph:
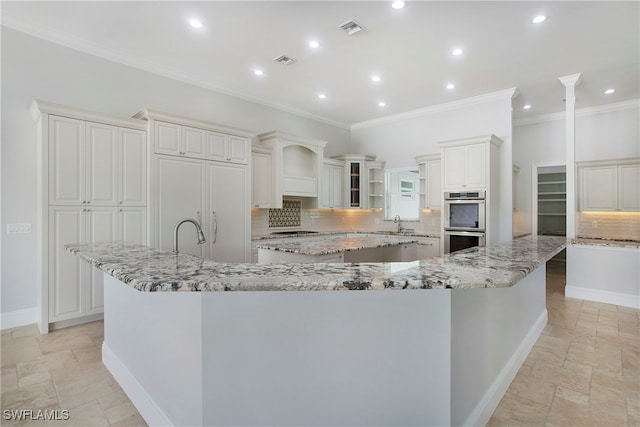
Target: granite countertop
[334,244]
[152,270]
[591,241]
[258,238]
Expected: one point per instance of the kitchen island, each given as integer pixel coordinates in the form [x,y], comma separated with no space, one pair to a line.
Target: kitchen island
[429,342]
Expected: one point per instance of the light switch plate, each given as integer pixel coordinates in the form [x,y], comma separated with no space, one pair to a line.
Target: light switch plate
[18,228]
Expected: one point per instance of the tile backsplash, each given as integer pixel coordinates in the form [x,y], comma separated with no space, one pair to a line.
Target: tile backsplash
[265,221]
[288,216]
[609,225]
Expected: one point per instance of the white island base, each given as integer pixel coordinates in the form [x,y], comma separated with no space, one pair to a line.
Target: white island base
[331,358]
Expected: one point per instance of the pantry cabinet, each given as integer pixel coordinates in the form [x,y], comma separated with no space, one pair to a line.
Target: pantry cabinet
[92,186]
[609,186]
[332,187]
[464,166]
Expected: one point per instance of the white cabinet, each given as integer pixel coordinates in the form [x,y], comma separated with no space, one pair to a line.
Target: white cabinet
[75,287]
[180,194]
[610,185]
[332,187]
[430,181]
[296,166]
[95,164]
[178,140]
[261,177]
[92,187]
[229,238]
[356,179]
[228,148]
[464,166]
[375,176]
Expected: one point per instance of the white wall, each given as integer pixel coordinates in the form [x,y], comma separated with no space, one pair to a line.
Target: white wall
[399,140]
[33,68]
[607,132]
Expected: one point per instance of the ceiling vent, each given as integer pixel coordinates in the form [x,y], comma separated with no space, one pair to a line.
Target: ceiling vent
[284,60]
[351,27]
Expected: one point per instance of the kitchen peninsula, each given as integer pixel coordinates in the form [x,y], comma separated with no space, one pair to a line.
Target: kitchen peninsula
[429,342]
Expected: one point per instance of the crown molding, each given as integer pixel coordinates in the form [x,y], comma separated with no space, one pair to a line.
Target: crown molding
[582,112]
[74,43]
[434,109]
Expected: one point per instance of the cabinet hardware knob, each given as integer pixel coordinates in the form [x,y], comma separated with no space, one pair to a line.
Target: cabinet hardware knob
[120,201]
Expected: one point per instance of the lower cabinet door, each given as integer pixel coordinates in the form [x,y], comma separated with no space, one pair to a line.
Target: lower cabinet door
[66,293]
[75,287]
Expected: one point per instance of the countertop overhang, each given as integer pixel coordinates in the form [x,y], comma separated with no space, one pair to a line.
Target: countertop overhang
[151,270]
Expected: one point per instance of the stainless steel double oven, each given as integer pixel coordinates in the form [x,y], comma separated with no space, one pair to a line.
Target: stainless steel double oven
[464,220]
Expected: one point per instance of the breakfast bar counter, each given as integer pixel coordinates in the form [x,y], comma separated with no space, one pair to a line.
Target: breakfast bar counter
[431,342]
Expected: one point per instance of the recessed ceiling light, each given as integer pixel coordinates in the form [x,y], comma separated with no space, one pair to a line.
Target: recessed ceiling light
[526,107]
[456,52]
[398,4]
[375,78]
[609,91]
[258,72]
[322,96]
[451,86]
[195,23]
[382,104]
[538,19]
[314,44]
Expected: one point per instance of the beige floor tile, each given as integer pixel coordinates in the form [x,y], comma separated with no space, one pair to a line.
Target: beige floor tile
[63,340]
[120,412]
[43,363]
[87,415]
[25,349]
[630,362]
[132,421]
[88,353]
[112,399]
[37,396]
[633,411]
[573,376]
[603,358]
[564,413]
[533,389]
[572,396]
[9,378]
[573,336]
[514,410]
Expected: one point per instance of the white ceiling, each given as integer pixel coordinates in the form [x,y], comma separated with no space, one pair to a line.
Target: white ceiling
[409,48]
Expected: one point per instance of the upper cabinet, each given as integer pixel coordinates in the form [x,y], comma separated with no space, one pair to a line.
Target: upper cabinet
[261,177]
[332,185]
[95,164]
[429,167]
[610,186]
[359,190]
[296,166]
[185,137]
[467,163]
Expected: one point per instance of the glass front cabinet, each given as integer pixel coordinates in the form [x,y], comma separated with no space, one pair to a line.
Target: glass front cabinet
[364,181]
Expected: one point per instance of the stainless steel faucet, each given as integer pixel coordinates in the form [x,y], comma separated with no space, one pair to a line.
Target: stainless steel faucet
[201,238]
[396,220]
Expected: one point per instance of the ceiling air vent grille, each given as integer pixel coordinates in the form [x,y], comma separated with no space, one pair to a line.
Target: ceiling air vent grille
[351,27]
[284,60]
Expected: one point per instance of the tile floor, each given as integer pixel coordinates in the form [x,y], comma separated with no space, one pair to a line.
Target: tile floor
[584,370]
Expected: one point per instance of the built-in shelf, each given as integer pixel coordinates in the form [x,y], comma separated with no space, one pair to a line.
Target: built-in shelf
[552,203]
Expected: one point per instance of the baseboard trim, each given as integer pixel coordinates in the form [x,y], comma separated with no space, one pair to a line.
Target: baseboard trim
[13,319]
[148,409]
[598,295]
[481,414]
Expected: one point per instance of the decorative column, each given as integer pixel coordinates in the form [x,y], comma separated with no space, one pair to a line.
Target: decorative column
[570,83]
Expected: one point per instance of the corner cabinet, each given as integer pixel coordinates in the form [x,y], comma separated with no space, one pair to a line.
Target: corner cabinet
[609,186]
[430,181]
[199,170]
[357,183]
[92,187]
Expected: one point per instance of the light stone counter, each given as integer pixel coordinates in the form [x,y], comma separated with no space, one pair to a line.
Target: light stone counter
[443,356]
[151,270]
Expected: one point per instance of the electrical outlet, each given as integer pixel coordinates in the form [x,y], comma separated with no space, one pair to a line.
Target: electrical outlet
[594,224]
[18,228]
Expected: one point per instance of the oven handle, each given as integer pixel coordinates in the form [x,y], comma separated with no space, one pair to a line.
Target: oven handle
[464,233]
